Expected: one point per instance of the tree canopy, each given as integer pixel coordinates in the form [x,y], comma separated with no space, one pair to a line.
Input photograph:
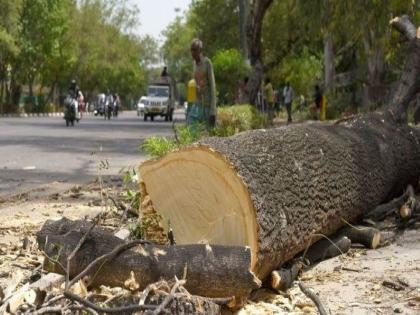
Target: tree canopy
[46,43]
[347,47]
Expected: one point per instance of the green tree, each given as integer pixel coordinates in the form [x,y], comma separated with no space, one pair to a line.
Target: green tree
[229,68]
[9,50]
[176,49]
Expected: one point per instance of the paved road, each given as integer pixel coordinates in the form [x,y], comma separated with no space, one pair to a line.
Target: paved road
[42,152]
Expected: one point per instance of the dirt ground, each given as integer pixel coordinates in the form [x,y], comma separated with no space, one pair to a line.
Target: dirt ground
[350,284]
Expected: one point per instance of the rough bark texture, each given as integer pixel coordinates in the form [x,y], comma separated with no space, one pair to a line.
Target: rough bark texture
[410,81]
[254,31]
[214,271]
[304,179]
[325,249]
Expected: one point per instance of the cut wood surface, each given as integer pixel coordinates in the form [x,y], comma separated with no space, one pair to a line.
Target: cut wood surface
[213,271]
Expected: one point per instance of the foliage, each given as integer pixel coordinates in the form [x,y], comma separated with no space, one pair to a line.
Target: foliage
[230,120]
[302,70]
[130,187]
[158,146]
[215,22]
[234,119]
[229,70]
[175,50]
[46,43]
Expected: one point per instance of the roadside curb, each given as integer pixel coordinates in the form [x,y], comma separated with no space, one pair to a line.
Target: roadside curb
[29,115]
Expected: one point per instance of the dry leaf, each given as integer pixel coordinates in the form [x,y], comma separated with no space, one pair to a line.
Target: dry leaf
[131,283]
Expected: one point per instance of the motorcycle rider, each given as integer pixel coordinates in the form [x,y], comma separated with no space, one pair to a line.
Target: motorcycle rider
[109,103]
[117,103]
[76,94]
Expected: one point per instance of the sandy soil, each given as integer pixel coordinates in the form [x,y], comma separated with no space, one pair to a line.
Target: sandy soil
[350,284]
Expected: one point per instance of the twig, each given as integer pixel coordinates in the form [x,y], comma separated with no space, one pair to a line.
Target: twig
[54,299]
[60,309]
[351,269]
[105,258]
[117,205]
[53,260]
[116,310]
[169,297]
[310,294]
[146,292]
[73,253]
[324,236]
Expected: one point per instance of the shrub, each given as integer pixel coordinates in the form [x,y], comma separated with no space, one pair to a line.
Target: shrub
[234,119]
[230,120]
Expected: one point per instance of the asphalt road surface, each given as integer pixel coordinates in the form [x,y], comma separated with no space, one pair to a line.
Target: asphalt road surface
[41,153]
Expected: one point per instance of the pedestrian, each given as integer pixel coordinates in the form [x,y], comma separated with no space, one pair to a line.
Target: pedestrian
[269,100]
[316,110]
[288,99]
[204,108]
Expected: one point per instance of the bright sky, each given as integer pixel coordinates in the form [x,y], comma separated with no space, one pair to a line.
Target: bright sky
[155,15]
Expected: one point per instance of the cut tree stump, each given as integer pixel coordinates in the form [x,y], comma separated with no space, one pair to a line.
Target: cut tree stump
[273,190]
[212,271]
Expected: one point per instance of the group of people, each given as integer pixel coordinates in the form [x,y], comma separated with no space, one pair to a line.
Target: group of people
[107,102]
[270,101]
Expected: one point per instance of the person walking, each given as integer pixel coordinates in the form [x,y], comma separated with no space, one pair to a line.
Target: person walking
[288,99]
[204,108]
[269,100]
[316,110]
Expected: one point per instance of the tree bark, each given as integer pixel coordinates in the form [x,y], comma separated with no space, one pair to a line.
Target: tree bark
[329,67]
[410,81]
[274,189]
[254,31]
[213,271]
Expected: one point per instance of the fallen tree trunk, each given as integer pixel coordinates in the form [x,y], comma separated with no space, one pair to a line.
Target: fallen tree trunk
[213,271]
[274,190]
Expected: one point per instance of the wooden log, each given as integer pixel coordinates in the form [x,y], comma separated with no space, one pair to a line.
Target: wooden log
[283,279]
[213,271]
[274,189]
[366,236]
[325,249]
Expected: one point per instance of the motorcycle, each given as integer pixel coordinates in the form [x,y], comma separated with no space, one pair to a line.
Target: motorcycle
[71,111]
[116,109]
[108,107]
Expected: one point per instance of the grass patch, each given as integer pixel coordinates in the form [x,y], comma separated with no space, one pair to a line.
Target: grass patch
[230,120]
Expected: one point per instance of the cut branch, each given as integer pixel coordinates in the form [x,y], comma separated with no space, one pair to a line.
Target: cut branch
[214,271]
